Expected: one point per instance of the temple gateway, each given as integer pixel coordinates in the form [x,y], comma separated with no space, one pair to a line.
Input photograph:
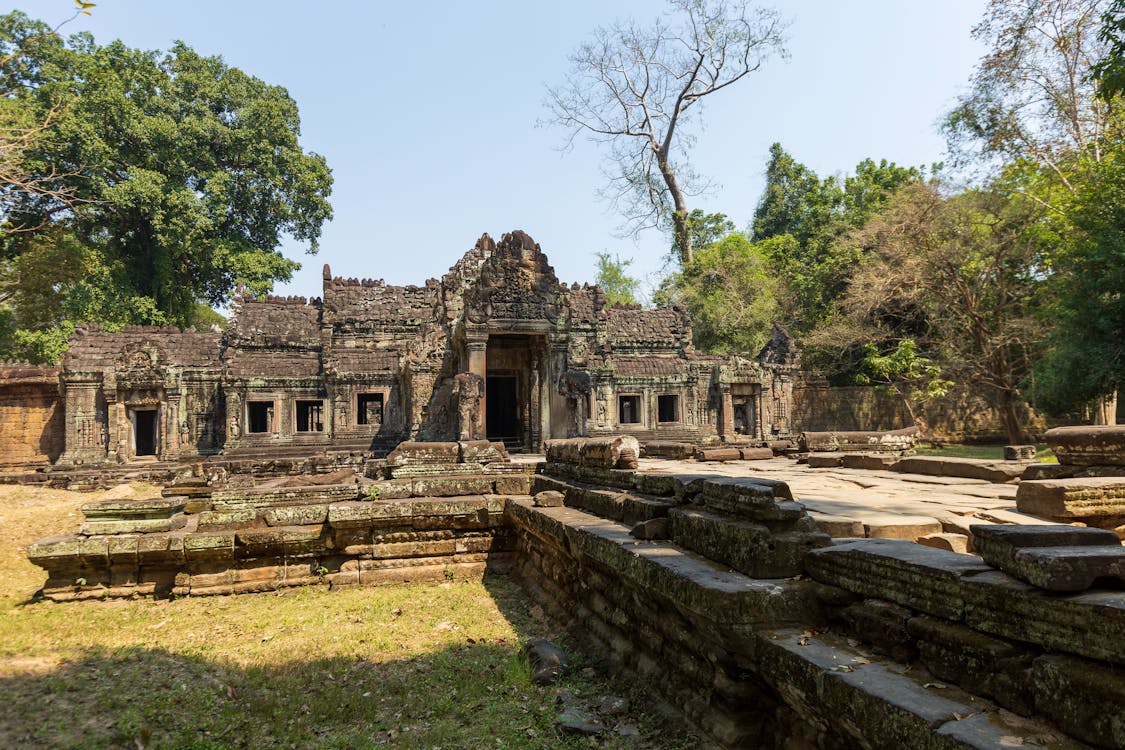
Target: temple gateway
[496,349]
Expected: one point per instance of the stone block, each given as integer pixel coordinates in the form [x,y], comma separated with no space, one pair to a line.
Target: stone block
[483,452]
[653,528]
[424,453]
[281,540]
[296,515]
[1019,452]
[894,441]
[1095,500]
[1084,698]
[662,485]
[718,454]
[744,546]
[209,546]
[867,461]
[1089,624]
[1068,568]
[124,509]
[668,449]
[512,485]
[227,519]
[367,513]
[895,526]
[965,468]
[997,544]
[953,542]
[1088,445]
[755,454]
[549,499]
[825,460]
[133,525]
[923,578]
[838,527]
[451,486]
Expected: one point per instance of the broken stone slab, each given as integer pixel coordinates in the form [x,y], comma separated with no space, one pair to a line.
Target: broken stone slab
[1096,500]
[483,452]
[296,515]
[1069,569]
[719,454]
[1088,445]
[610,452]
[896,526]
[825,460]
[838,527]
[411,452]
[133,525]
[868,461]
[653,528]
[923,578]
[889,441]
[965,468]
[123,509]
[668,449]
[755,454]
[549,499]
[1089,624]
[997,544]
[958,543]
[744,546]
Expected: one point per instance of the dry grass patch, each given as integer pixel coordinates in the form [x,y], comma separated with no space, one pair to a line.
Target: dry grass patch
[423,666]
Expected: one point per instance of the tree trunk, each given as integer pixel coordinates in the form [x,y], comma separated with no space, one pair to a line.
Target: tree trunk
[1010,419]
[680,226]
[683,236]
[1105,410]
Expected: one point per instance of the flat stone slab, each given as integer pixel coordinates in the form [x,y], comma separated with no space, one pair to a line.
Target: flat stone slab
[1073,499]
[1088,445]
[825,460]
[1068,568]
[965,468]
[838,527]
[998,543]
[948,541]
[870,461]
[920,577]
[153,507]
[894,526]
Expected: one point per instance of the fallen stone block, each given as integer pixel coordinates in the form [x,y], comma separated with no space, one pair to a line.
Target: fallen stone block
[895,526]
[868,461]
[424,453]
[755,454]
[825,460]
[668,449]
[958,543]
[965,468]
[889,441]
[483,452]
[1069,568]
[1098,501]
[719,454]
[997,544]
[549,499]
[1088,445]
[1019,452]
[838,527]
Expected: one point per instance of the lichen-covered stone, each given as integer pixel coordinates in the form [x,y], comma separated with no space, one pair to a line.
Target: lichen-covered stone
[1095,500]
[1088,445]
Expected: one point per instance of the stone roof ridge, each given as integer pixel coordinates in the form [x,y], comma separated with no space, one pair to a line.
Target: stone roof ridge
[781,349]
[156,329]
[353,281]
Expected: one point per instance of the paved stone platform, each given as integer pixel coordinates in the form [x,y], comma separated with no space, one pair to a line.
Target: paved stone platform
[872,502]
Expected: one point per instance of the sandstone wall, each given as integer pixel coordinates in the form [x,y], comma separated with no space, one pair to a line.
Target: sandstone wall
[961,416]
[31,417]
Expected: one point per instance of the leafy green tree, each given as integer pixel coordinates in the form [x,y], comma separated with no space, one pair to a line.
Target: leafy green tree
[1109,70]
[801,216]
[961,277]
[903,372]
[185,174]
[637,89]
[728,289]
[619,287]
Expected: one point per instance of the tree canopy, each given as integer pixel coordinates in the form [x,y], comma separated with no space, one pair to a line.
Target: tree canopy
[637,88]
[166,178]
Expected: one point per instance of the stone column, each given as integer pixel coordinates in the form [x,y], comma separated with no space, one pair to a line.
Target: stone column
[478,365]
[535,404]
[726,412]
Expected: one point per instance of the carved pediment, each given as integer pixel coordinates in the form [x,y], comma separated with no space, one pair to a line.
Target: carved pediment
[516,283]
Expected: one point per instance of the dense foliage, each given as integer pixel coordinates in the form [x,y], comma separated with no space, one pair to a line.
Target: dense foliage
[160,181]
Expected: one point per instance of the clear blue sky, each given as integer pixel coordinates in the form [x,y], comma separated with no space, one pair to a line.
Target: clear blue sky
[427,112]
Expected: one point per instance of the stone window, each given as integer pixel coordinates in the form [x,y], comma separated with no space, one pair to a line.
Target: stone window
[259,416]
[369,408]
[310,416]
[668,408]
[629,409]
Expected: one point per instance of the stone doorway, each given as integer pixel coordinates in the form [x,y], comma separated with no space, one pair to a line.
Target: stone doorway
[144,432]
[503,409]
[513,389]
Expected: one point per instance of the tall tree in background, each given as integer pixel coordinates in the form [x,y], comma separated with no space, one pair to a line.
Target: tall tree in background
[799,219]
[1035,111]
[637,89]
[184,174]
[960,278]
[613,277]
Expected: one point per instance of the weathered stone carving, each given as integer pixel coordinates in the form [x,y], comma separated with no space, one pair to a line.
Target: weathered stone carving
[468,388]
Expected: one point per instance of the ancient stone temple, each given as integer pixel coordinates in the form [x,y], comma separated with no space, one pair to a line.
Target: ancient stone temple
[497,348]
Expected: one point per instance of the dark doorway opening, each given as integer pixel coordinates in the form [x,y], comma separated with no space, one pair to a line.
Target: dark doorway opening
[145,432]
[310,416]
[502,410]
[259,416]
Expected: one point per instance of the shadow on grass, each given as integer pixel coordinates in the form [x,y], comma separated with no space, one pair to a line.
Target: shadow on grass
[471,694]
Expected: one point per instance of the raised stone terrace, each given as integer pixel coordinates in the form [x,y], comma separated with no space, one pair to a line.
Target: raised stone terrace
[717,583]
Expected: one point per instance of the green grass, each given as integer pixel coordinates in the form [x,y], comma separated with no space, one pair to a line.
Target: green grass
[423,666]
[987,452]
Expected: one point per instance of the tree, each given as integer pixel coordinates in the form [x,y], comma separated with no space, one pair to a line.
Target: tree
[727,288]
[961,278]
[903,372]
[1110,69]
[637,89]
[619,287]
[799,219]
[186,173]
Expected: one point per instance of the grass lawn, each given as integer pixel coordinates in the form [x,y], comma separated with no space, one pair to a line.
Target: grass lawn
[423,666]
[989,452]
